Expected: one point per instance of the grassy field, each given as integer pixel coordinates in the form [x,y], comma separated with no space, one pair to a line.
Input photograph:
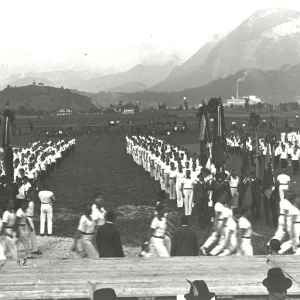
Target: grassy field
[101,163]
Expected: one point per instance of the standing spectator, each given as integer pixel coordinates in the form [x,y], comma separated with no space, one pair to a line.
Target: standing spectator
[295,159]
[21,193]
[108,238]
[47,203]
[283,181]
[184,242]
[255,185]
[187,188]
[274,247]
[277,284]
[157,232]
[201,200]
[234,180]
[30,213]
[86,230]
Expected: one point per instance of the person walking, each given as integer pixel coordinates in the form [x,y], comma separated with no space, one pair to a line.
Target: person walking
[179,176]
[283,180]
[8,228]
[157,232]
[108,238]
[244,246]
[184,241]
[86,230]
[218,223]
[171,179]
[47,203]
[20,224]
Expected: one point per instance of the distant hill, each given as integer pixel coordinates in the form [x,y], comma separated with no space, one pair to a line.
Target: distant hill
[267,40]
[53,78]
[44,98]
[28,80]
[272,86]
[129,87]
[147,74]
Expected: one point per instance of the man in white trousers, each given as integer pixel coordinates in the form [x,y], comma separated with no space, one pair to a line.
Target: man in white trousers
[233,181]
[7,231]
[20,224]
[30,216]
[179,176]
[187,189]
[284,183]
[218,224]
[47,201]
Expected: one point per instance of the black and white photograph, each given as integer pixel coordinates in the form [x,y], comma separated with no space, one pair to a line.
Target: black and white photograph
[150,150]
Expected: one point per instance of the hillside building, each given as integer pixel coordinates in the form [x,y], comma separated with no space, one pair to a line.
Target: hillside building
[63,112]
[127,109]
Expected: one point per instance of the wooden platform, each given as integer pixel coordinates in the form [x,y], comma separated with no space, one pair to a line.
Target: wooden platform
[142,277]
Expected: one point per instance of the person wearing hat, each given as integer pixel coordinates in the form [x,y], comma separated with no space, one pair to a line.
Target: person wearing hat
[199,291]
[97,293]
[277,284]
[108,238]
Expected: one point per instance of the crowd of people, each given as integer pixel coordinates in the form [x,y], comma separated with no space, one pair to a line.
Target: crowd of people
[193,187]
[33,165]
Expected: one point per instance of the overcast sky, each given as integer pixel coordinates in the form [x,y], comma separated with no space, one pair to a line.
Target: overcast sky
[113,35]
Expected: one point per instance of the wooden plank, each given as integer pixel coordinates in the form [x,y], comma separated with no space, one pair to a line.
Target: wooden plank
[140,277]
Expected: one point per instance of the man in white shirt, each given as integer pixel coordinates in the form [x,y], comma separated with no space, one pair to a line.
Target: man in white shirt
[284,183]
[187,189]
[98,212]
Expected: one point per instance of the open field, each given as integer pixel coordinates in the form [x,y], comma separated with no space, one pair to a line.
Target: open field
[100,163]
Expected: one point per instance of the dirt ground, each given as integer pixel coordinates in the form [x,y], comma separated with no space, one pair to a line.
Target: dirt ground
[100,163]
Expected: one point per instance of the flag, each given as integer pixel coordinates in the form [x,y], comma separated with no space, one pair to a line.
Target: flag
[268,179]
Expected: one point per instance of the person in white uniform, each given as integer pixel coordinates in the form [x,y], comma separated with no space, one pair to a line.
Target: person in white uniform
[284,209]
[86,230]
[283,182]
[293,226]
[98,211]
[30,216]
[20,224]
[234,180]
[231,237]
[244,246]
[157,232]
[179,176]
[218,224]
[171,182]
[187,189]
[7,231]
[47,202]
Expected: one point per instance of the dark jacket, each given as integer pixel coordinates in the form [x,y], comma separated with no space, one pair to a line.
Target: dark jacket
[109,241]
[200,192]
[184,242]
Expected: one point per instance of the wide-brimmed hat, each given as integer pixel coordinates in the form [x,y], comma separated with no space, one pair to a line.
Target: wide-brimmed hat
[276,280]
[104,294]
[199,291]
